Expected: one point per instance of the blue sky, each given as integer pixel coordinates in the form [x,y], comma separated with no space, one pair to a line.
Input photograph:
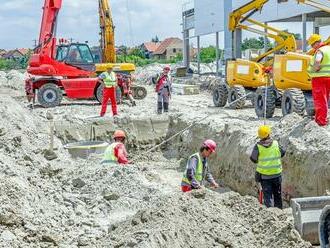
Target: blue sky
[20,21]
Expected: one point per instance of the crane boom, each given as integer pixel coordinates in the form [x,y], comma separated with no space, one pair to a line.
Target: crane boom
[107,33]
[47,39]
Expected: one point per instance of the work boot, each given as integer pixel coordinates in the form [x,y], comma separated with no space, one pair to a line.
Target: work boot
[159,107]
[165,107]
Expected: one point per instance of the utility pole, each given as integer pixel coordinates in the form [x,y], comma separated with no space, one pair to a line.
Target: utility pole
[35,43]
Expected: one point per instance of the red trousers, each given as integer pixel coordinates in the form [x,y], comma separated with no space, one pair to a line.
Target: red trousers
[185,188]
[109,93]
[321,95]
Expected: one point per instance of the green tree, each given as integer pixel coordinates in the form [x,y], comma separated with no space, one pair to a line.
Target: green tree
[253,43]
[137,52]
[155,39]
[208,54]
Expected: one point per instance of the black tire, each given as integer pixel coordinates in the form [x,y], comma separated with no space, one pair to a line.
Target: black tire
[99,93]
[293,101]
[49,95]
[236,92]
[259,102]
[324,227]
[139,92]
[220,95]
[310,110]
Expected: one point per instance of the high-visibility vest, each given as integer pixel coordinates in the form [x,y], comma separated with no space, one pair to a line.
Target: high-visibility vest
[199,170]
[110,80]
[109,154]
[325,64]
[269,160]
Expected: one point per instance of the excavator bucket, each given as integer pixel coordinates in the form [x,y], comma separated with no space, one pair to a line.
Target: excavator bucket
[324,227]
[306,213]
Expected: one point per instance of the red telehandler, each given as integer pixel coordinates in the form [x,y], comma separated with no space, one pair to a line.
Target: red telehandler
[60,69]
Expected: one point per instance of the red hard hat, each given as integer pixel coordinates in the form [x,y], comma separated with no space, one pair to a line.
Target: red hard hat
[119,134]
[210,144]
[167,68]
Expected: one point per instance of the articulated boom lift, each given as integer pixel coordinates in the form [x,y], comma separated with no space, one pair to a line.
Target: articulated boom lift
[244,75]
[291,77]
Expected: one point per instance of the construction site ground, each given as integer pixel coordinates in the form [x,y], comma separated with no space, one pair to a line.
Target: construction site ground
[52,200]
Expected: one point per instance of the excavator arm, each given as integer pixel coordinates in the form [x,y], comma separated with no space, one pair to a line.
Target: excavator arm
[107,33]
[47,37]
[284,40]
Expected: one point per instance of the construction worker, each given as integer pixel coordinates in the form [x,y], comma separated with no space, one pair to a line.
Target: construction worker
[197,168]
[319,71]
[163,89]
[116,152]
[267,154]
[29,93]
[109,79]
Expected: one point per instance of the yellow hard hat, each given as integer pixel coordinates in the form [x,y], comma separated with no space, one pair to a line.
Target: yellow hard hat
[314,38]
[264,131]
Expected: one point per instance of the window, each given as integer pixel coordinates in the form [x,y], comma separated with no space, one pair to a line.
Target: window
[85,53]
[79,53]
[61,53]
[174,50]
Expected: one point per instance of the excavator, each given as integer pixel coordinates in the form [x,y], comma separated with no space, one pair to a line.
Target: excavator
[244,76]
[108,55]
[58,68]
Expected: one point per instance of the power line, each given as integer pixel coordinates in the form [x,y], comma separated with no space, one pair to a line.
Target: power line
[130,29]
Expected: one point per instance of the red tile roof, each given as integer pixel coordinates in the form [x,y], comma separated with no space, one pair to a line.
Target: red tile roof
[23,51]
[165,44]
[151,46]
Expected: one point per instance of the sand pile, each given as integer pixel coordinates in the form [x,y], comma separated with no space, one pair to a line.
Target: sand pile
[13,79]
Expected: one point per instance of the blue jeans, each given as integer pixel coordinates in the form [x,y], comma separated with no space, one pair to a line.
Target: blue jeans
[272,189]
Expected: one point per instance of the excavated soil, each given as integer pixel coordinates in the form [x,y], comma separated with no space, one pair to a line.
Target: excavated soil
[57,201]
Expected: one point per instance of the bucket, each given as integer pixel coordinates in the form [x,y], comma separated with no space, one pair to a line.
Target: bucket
[83,149]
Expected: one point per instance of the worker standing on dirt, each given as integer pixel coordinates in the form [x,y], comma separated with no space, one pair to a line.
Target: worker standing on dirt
[109,79]
[116,152]
[197,168]
[267,154]
[163,89]
[320,73]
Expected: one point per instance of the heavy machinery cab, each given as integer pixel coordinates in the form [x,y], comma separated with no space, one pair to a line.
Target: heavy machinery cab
[76,54]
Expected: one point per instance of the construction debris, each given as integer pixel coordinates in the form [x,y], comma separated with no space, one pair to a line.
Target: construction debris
[70,202]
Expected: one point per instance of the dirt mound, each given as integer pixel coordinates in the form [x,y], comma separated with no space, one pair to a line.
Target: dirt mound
[206,219]
[13,79]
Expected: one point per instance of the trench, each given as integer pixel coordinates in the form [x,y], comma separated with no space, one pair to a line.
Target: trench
[230,165]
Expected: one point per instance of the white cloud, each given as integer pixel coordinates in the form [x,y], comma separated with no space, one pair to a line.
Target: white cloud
[79,20]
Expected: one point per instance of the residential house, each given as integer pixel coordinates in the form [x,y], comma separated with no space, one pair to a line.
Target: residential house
[149,48]
[2,52]
[16,54]
[169,49]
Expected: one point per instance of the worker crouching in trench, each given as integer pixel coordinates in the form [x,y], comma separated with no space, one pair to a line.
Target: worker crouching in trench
[116,152]
[197,170]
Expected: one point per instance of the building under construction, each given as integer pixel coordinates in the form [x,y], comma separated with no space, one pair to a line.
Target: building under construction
[201,18]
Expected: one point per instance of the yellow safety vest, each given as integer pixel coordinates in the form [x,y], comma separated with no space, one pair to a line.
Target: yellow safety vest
[325,64]
[269,160]
[110,80]
[199,170]
[109,154]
